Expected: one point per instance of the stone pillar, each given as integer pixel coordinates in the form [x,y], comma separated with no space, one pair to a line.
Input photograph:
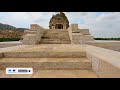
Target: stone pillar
[64,27]
[53,27]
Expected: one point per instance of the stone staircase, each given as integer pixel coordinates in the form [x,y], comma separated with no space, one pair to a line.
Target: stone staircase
[48,57]
[57,36]
[47,63]
[46,60]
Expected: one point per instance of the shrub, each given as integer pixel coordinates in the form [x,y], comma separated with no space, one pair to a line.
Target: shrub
[9,39]
[107,38]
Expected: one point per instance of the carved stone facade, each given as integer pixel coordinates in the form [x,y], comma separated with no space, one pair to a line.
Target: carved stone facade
[59,21]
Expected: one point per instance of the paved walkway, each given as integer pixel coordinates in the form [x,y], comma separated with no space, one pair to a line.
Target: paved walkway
[54,74]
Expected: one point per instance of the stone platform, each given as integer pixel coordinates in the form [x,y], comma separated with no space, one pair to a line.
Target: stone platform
[47,63]
[48,60]
[44,51]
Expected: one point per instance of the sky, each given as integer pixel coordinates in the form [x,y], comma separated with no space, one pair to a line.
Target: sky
[100,24]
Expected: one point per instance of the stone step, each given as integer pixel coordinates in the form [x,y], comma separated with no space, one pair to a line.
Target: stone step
[50,39]
[53,74]
[46,63]
[59,38]
[55,31]
[44,51]
[44,54]
[48,33]
[55,37]
[54,42]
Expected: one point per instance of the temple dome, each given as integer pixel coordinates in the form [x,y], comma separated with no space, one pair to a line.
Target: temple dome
[59,21]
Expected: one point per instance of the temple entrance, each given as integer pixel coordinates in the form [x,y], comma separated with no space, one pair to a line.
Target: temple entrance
[58,26]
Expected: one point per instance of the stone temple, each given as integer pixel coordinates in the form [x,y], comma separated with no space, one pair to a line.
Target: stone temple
[59,21]
[59,32]
[62,51]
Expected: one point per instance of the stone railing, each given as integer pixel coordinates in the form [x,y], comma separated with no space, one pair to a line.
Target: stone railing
[39,34]
[34,35]
[105,62]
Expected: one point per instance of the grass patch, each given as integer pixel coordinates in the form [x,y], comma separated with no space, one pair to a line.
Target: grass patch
[107,38]
[9,39]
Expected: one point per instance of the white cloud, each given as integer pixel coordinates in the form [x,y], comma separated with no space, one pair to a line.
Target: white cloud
[105,25]
[102,25]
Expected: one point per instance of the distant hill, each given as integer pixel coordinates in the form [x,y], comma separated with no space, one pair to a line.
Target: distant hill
[8,31]
[9,27]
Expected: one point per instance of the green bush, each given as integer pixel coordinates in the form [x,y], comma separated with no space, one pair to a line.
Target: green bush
[9,39]
[107,38]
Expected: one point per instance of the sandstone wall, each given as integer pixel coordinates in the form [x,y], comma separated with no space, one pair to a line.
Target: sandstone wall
[105,62]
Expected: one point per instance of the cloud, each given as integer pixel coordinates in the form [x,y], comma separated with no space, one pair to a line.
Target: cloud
[101,24]
[105,25]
